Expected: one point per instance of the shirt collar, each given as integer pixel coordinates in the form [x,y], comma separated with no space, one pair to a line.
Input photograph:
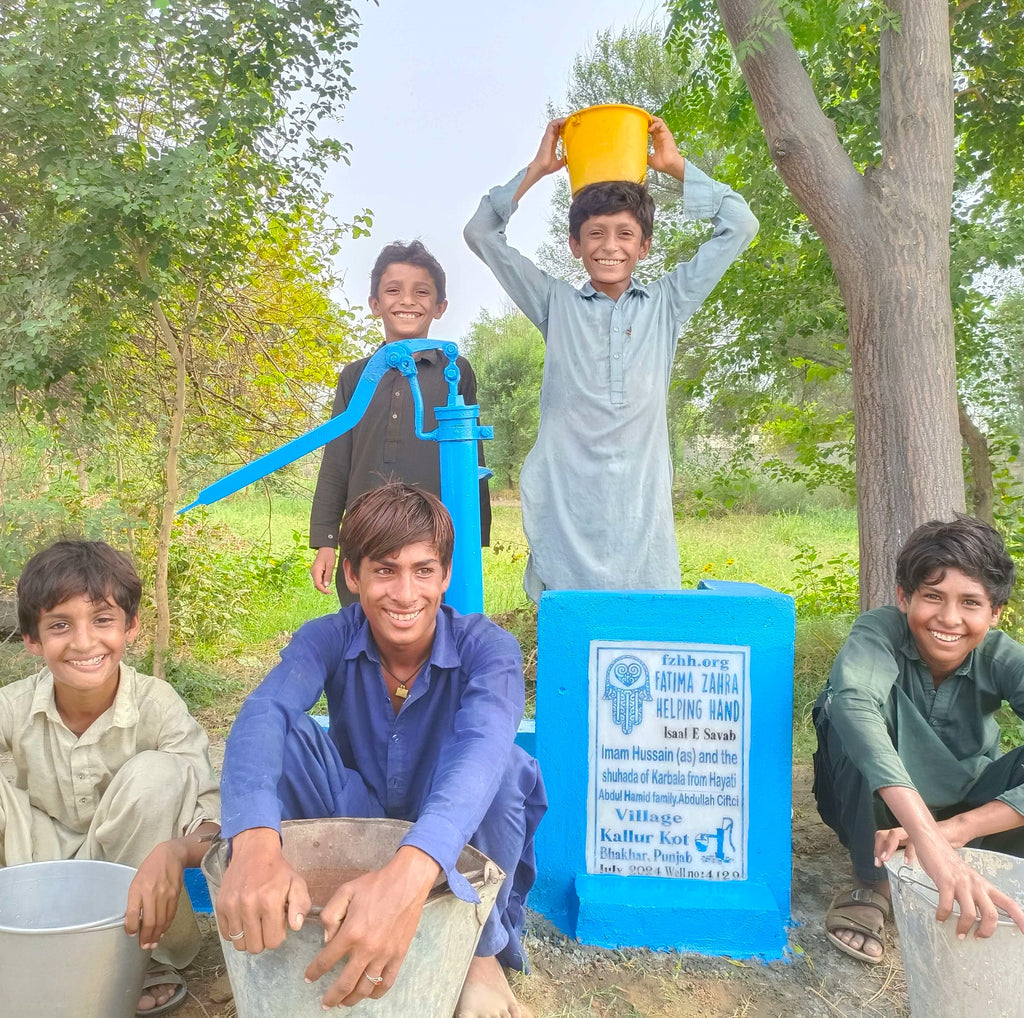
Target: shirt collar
[123,713]
[443,654]
[635,286]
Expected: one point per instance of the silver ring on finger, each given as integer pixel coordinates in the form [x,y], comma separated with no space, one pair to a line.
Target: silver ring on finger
[376,980]
[236,936]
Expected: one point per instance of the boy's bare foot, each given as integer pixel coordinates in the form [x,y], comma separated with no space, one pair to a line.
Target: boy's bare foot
[486,993]
[851,923]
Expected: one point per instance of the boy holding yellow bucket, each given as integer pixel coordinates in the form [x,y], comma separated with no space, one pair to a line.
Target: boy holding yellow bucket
[596,488]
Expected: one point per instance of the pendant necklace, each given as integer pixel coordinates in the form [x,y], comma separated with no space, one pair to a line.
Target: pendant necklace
[403,690]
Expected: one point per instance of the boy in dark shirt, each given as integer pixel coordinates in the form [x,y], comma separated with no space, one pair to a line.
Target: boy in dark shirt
[908,747]
[407,293]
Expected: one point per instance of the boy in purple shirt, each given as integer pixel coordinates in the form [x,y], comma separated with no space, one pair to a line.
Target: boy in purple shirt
[424,704]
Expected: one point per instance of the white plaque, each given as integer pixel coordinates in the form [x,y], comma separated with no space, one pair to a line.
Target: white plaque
[669,741]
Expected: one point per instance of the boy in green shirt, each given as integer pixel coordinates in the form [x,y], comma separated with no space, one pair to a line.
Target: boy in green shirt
[908,748]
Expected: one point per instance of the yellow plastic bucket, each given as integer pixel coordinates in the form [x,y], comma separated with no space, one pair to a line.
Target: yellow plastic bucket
[606,143]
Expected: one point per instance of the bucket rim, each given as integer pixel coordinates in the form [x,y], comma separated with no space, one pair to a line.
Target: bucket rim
[483,871]
[610,106]
[107,922]
[904,874]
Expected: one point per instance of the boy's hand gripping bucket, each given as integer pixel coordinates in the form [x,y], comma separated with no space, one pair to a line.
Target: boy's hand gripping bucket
[327,853]
[951,978]
[606,143]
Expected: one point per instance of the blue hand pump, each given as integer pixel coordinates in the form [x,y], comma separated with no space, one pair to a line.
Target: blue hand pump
[457,432]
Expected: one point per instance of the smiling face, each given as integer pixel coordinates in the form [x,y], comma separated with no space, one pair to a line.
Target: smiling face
[82,643]
[406,302]
[948,618]
[610,247]
[400,595]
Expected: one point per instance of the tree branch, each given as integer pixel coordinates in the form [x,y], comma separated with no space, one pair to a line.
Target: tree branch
[802,141]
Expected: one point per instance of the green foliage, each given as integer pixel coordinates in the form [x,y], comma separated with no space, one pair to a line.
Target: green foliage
[507,354]
[818,639]
[710,484]
[159,141]
[15,662]
[201,686]
[1011,728]
[825,587]
[784,305]
[166,301]
[41,499]
[210,573]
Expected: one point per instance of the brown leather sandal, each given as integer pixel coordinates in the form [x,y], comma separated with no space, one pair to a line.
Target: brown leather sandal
[837,919]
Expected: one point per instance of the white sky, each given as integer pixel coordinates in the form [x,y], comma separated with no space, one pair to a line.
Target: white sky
[450,100]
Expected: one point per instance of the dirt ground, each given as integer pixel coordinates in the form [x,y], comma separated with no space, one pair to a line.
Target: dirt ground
[570,980]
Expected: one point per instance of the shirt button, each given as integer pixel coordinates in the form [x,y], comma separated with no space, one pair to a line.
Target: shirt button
[394,417]
[615,356]
[394,738]
[398,394]
[83,800]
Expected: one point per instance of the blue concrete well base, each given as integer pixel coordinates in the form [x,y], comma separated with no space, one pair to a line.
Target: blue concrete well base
[735,919]
[664,733]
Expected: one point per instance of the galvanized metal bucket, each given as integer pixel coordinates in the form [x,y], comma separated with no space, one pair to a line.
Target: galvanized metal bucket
[951,978]
[326,853]
[63,946]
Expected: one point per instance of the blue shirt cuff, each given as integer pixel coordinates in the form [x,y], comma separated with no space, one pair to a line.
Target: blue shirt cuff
[259,809]
[443,842]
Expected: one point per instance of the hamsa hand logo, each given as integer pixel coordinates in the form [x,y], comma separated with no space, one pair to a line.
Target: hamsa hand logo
[627,683]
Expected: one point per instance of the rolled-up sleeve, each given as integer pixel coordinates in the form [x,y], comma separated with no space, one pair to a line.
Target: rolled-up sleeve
[735,226]
[527,285]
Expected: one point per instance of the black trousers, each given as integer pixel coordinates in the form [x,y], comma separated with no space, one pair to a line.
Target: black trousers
[855,813]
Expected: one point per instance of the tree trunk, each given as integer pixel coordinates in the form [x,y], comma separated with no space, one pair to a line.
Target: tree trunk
[162,640]
[82,473]
[887,234]
[983,489]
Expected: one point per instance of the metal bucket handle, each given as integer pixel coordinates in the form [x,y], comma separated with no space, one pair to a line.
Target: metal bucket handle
[903,875]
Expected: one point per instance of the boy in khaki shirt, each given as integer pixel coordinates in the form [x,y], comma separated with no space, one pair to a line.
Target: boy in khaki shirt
[109,763]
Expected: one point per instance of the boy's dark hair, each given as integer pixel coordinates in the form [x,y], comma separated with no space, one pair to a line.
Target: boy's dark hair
[383,521]
[409,254]
[68,569]
[607,197]
[965,543]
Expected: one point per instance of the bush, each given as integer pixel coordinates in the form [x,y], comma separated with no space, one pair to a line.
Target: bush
[825,589]
[213,576]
